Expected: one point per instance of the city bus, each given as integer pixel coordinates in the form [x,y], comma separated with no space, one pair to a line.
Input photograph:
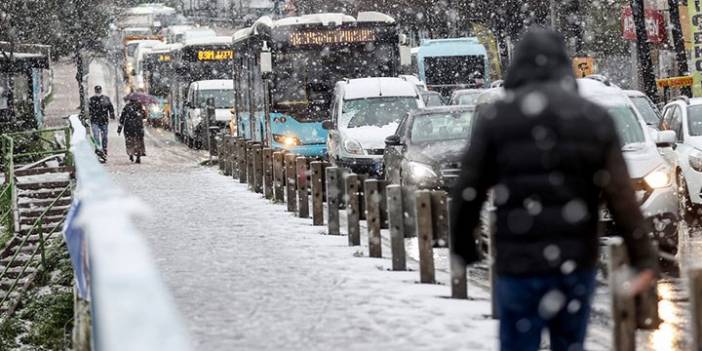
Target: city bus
[456,63]
[285,72]
[158,74]
[199,59]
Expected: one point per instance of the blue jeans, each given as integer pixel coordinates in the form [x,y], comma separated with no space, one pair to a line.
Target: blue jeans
[561,303]
[100,135]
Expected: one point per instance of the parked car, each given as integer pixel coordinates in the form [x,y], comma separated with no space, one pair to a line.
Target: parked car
[365,111]
[646,108]
[432,98]
[222,91]
[425,152]
[465,96]
[652,176]
[684,117]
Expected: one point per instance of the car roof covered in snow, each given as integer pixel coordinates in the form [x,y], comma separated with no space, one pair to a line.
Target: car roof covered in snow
[215,84]
[208,41]
[377,87]
[163,48]
[602,93]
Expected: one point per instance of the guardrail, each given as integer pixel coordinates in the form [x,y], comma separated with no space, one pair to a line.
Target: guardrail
[384,206]
[131,306]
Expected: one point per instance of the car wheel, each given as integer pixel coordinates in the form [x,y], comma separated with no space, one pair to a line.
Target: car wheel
[688,210]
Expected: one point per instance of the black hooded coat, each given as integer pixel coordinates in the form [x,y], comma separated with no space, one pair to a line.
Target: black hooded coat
[550,157]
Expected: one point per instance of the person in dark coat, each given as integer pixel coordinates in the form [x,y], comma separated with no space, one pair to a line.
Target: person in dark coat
[549,156]
[132,122]
[100,110]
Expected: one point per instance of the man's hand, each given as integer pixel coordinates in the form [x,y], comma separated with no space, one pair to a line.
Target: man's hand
[642,282]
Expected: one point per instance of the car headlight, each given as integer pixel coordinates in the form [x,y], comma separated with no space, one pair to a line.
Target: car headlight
[287,140]
[695,160]
[659,178]
[353,147]
[421,173]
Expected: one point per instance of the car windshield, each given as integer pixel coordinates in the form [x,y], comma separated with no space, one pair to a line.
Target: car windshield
[466,99]
[646,109]
[131,49]
[694,120]
[432,100]
[224,98]
[627,124]
[376,111]
[436,127]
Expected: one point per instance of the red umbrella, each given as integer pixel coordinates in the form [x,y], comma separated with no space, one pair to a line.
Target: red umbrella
[142,98]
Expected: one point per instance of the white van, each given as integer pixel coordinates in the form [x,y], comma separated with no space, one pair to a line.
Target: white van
[195,111]
[363,113]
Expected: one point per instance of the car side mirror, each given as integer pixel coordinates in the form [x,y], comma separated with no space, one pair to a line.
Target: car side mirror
[393,140]
[328,124]
[666,138]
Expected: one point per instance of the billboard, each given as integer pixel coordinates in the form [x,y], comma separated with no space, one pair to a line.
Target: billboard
[655,25]
[695,11]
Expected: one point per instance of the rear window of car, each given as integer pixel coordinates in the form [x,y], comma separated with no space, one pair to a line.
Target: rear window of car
[436,127]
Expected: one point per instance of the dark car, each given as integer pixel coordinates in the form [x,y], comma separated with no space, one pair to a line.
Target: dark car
[425,152]
[465,96]
[432,98]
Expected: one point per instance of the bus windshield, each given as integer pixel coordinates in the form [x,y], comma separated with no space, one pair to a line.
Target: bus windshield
[454,70]
[304,78]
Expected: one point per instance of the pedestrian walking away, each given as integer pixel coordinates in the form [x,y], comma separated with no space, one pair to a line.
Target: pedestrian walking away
[550,157]
[101,111]
[131,121]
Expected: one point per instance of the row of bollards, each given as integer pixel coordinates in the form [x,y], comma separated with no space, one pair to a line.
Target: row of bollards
[287,178]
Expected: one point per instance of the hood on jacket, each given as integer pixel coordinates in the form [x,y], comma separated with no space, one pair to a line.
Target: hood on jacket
[540,57]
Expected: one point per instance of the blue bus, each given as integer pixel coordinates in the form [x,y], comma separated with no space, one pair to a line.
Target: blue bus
[449,64]
[285,71]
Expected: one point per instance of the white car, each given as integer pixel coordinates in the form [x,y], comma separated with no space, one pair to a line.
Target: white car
[647,109]
[652,176]
[222,91]
[363,113]
[684,117]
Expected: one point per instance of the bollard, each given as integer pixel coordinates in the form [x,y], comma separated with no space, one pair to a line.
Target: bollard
[230,156]
[424,235]
[303,201]
[317,170]
[694,276]
[352,208]
[439,212]
[333,191]
[250,176]
[234,159]
[383,204]
[623,306]
[220,153]
[362,196]
[258,168]
[268,173]
[373,200]
[647,305]
[291,195]
[396,222]
[223,156]
[243,163]
[459,275]
[279,176]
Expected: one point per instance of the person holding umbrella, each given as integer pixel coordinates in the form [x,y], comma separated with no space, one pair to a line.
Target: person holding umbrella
[132,122]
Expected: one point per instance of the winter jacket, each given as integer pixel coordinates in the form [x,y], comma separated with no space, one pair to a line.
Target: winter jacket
[132,119]
[550,157]
[100,109]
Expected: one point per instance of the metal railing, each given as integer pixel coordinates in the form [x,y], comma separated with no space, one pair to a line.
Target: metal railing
[130,305]
[37,227]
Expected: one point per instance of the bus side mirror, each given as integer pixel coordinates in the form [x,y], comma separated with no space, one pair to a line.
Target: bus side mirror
[266,62]
[328,124]
[405,55]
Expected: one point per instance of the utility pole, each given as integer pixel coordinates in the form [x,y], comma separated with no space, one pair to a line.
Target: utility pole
[679,43]
[644,50]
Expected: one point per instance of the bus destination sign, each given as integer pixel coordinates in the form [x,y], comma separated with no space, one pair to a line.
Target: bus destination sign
[215,55]
[322,37]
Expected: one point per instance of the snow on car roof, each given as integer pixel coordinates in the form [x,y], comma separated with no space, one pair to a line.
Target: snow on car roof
[215,84]
[378,87]
[163,48]
[602,93]
[208,40]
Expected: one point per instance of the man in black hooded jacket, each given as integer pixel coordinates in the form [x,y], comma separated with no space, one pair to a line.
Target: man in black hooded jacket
[549,157]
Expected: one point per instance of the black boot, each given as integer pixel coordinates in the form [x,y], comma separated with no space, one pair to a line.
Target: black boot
[131,158]
[138,160]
